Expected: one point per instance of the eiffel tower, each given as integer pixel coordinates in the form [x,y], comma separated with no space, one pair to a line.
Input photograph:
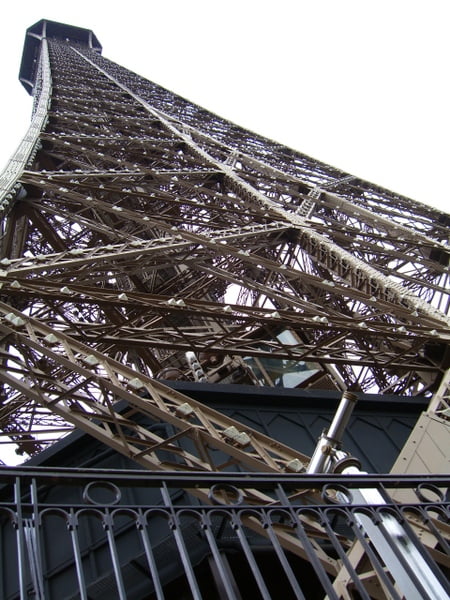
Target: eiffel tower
[147,241]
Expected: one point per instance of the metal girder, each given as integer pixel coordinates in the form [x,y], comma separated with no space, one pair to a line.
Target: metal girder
[344,264]
[28,147]
[152,209]
[81,385]
[323,196]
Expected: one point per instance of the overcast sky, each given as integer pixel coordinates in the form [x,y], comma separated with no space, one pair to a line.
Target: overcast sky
[361,85]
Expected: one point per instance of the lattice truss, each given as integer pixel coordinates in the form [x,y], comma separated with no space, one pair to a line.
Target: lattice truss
[143,227]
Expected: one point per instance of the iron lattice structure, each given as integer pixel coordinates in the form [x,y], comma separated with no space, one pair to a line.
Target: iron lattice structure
[144,238]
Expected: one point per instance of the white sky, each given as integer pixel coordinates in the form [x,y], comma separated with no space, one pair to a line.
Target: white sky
[362,85]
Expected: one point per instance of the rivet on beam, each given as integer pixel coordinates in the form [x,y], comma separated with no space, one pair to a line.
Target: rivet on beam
[91,360]
[238,437]
[135,383]
[184,410]
[15,320]
[295,466]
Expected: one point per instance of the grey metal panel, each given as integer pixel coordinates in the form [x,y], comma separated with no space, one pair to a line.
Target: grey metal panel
[300,428]
[427,449]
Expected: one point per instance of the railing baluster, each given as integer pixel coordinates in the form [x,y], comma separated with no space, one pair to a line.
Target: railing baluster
[142,528]
[20,538]
[177,534]
[219,565]
[72,524]
[237,526]
[109,528]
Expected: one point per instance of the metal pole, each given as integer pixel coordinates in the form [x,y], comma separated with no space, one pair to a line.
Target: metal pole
[329,442]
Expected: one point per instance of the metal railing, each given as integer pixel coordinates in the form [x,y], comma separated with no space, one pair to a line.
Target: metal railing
[76,533]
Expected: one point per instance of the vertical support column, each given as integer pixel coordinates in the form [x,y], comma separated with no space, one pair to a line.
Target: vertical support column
[331,441]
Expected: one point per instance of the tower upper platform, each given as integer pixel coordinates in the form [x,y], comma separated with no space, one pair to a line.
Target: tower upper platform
[50,29]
